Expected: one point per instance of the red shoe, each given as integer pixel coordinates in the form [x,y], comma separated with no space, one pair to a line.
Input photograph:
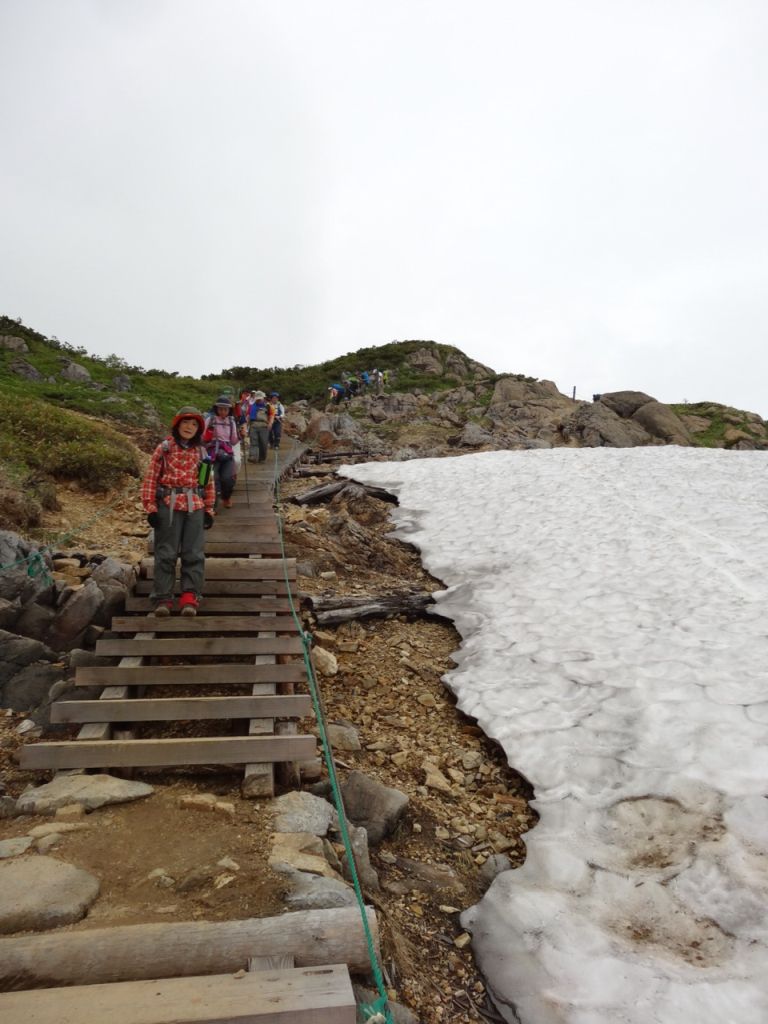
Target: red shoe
[188,603]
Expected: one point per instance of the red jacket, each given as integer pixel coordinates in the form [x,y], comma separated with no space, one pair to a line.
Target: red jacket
[173,465]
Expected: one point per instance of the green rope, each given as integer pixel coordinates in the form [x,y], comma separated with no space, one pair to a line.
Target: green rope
[377,1012]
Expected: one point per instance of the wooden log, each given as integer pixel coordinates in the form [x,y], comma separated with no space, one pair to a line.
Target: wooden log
[198,647]
[183,709]
[236,588]
[250,624]
[324,492]
[187,948]
[220,605]
[190,675]
[238,569]
[166,753]
[332,611]
[305,995]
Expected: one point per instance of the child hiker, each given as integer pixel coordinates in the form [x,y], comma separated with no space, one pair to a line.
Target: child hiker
[178,495]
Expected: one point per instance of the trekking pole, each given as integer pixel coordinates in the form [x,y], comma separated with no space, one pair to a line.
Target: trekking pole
[246,452]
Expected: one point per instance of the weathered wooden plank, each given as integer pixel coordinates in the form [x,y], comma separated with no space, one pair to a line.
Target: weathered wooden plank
[190,675]
[168,709]
[238,568]
[163,753]
[205,624]
[264,529]
[236,588]
[269,549]
[304,995]
[199,646]
[221,605]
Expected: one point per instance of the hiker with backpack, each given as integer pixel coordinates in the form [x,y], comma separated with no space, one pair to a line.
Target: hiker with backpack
[222,441]
[278,411]
[259,423]
[178,495]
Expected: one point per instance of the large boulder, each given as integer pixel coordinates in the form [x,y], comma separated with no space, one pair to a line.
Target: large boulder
[16,652]
[110,570]
[661,421]
[27,566]
[426,360]
[30,688]
[37,893]
[375,807]
[75,372]
[75,616]
[122,383]
[90,791]
[596,426]
[35,622]
[24,369]
[625,403]
[12,344]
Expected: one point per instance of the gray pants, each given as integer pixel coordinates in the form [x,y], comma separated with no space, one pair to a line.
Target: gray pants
[258,435]
[180,537]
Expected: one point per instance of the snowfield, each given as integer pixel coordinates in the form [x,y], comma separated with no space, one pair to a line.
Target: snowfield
[613,605]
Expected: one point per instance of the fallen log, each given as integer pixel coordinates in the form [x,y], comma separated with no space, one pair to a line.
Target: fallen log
[324,492]
[135,952]
[332,611]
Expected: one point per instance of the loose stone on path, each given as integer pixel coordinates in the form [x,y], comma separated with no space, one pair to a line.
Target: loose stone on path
[38,892]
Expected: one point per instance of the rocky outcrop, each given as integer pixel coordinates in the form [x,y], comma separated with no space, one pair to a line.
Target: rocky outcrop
[597,426]
[12,344]
[75,372]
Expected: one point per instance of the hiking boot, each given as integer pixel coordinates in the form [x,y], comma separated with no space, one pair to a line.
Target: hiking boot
[162,609]
[188,603]
[226,502]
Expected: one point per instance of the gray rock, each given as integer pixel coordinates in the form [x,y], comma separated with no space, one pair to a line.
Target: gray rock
[78,613]
[366,873]
[75,372]
[112,570]
[303,812]
[16,652]
[426,360]
[429,877]
[314,892]
[90,791]
[367,996]
[597,426]
[473,436]
[494,866]
[625,403]
[37,893]
[661,421]
[375,807]
[46,843]
[14,847]
[9,612]
[13,344]
[343,737]
[24,369]
[16,582]
[35,622]
[29,688]
[122,383]
[7,807]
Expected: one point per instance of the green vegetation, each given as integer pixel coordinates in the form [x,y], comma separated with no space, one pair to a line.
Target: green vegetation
[722,418]
[64,445]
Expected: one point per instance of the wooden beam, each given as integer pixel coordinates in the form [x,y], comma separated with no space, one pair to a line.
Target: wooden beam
[205,624]
[178,949]
[246,547]
[198,647]
[234,588]
[190,675]
[221,605]
[164,753]
[306,995]
[168,709]
[238,568]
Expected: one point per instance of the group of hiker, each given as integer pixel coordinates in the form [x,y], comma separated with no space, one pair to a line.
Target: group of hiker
[189,471]
[350,385]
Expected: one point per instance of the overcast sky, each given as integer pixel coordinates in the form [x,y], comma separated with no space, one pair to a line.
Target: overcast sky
[572,190]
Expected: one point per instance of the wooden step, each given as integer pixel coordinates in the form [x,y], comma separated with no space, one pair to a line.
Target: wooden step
[266,548]
[168,709]
[220,605]
[199,647]
[225,587]
[251,624]
[303,995]
[238,569]
[165,753]
[190,675]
